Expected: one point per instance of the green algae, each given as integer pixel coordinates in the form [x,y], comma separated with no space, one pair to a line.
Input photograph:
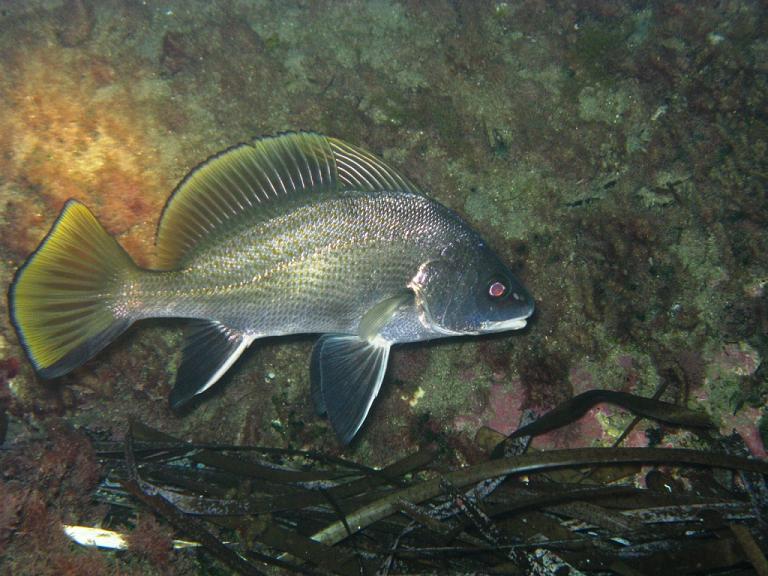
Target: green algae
[450,383]
[699,253]
[505,201]
[601,104]
[724,385]
[600,46]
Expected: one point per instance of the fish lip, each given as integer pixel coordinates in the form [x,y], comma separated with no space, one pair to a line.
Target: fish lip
[509,324]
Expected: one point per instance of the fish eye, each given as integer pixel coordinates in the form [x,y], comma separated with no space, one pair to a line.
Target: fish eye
[497,289]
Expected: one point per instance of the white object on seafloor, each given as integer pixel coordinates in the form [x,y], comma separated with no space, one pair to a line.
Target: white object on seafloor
[101,538]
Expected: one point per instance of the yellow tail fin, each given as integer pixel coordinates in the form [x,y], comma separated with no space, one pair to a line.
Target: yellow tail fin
[65,300]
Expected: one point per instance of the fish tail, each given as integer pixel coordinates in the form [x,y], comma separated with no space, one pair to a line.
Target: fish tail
[66,301]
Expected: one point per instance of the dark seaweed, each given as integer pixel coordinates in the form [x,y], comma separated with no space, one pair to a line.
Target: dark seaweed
[540,513]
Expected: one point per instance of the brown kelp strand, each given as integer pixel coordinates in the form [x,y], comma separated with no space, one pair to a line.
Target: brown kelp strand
[573,409]
[517,514]
[149,496]
[536,463]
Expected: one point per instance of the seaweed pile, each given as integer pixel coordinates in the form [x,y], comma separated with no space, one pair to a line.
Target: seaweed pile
[579,511]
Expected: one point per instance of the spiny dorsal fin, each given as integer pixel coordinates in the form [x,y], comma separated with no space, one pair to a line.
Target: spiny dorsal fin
[255,178]
[361,170]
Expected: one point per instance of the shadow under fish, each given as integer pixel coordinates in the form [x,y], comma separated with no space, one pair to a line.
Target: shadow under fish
[292,234]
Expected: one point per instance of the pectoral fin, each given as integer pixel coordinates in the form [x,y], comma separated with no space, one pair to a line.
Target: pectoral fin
[379,315]
[346,373]
[210,349]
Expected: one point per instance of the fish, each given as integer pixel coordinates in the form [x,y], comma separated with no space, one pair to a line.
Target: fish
[295,233]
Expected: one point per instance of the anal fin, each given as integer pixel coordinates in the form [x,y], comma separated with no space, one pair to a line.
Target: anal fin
[210,350]
[346,373]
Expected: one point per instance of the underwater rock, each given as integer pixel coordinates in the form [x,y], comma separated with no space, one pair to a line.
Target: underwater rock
[76,23]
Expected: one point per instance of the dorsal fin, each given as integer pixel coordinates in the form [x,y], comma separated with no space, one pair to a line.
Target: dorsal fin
[360,170]
[256,178]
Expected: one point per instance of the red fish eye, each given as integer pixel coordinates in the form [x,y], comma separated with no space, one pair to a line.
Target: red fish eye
[497,289]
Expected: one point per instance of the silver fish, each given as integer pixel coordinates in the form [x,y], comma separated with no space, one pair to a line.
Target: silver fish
[297,233]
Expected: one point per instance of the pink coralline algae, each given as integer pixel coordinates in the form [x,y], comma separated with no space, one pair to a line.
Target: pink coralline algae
[738,359]
[581,379]
[505,407]
[502,410]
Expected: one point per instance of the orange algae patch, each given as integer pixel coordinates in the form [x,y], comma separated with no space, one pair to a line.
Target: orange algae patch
[74,129]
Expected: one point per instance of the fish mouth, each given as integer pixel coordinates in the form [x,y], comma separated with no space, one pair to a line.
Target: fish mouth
[516,323]
[502,325]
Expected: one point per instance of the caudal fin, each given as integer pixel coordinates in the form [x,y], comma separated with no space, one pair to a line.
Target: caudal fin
[65,300]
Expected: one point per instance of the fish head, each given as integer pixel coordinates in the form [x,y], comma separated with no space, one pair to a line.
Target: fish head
[469,290]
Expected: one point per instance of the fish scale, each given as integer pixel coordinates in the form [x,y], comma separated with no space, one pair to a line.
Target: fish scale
[297,233]
[368,245]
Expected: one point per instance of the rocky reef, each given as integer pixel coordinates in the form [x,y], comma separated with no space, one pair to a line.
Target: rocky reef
[616,156]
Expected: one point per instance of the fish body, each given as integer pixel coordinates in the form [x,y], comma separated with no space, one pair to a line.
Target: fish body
[298,233]
[316,269]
